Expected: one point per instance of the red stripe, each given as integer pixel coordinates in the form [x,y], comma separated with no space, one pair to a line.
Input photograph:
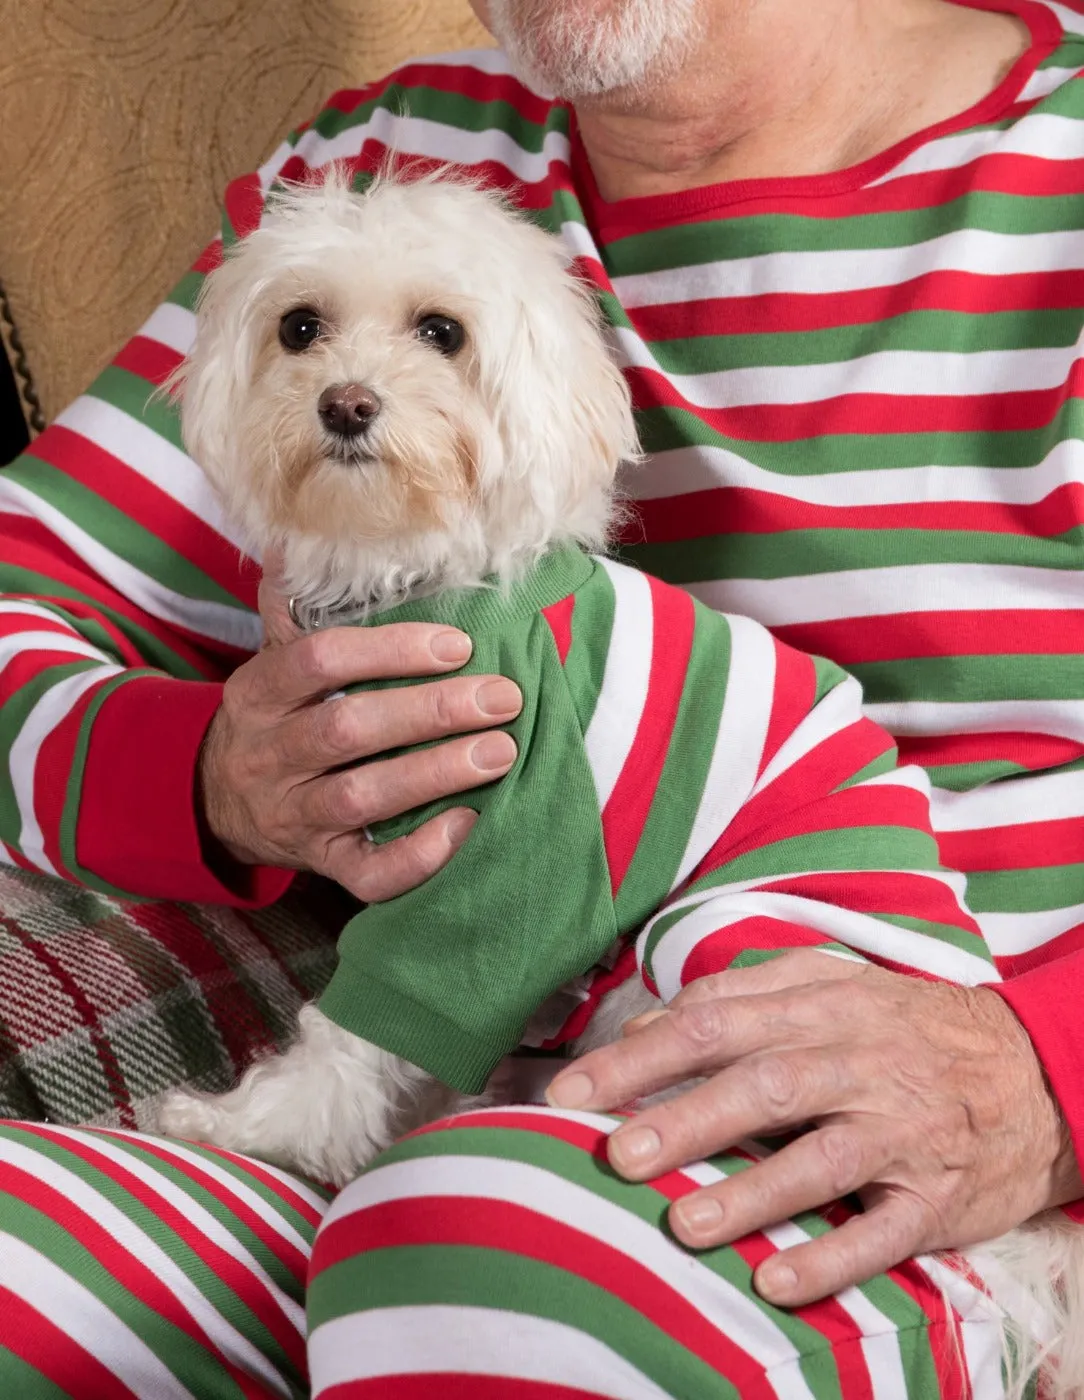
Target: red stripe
[626,812]
[512,1228]
[801,799]
[144,502]
[28,545]
[559,617]
[244,204]
[793,696]
[781,313]
[879,892]
[902,636]
[150,359]
[736,510]
[1026,846]
[290,1198]
[119,1262]
[472,82]
[210,258]
[1061,946]
[716,951]
[231,1271]
[450,1385]
[1024,411]
[32,1337]
[1031,751]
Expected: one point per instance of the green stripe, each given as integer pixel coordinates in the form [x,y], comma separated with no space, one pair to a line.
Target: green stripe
[804,553]
[946,679]
[187,290]
[965,777]
[592,628]
[666,429]
[1025,891]
[680,792]
[920,332]
[118,532]
[19,1378]
[883,763]
[137,397]
[960,938]
[730,240]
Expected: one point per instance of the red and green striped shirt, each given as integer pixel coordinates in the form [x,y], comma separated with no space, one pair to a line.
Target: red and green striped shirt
[859,393]
[681,775]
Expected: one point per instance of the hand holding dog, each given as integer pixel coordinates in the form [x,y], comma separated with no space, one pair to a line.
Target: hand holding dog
[926,1099]
[277,771]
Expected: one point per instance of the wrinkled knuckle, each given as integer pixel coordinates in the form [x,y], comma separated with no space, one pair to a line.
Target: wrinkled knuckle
[443,708]
[841,1156]
[344,801]
[337,727]
[778,1085]
[702,1023]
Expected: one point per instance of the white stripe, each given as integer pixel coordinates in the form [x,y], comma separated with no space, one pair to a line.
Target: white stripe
[1043,135]
[197,1216]
[143,1247]
[623,694]
[977,251]
[50,710]
[902,588]
[138,446]
[236,1187]
[293,1183]
[1070,20]
[397,1341]
[235,626]
[739,742]
[832,714]
[860,932]
[172,326]
[546,1194]
[1064,718]
[945,374]
[682,470]
[1033,797]
[981,1332]
[880,1337]
[418,136]
[1011,934]
[87,1321]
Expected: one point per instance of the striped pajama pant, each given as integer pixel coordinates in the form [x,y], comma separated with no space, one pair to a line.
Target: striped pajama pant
[493,1256]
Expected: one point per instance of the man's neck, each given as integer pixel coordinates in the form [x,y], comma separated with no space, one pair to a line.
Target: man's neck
[793,90]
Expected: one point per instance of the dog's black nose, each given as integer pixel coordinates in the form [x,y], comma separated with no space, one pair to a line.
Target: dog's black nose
[348,409]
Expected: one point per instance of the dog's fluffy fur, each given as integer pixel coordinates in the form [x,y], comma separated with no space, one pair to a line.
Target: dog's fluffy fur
[476,464]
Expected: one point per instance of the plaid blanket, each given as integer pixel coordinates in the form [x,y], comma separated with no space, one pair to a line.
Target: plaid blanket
[106,1003]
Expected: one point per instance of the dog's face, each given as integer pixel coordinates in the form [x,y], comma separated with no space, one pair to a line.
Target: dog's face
[400,373]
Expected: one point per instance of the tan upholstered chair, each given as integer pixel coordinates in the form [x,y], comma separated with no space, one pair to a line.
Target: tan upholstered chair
[122,120]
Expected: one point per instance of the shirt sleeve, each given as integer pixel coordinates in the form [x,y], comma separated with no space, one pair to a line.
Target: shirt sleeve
[832,849]
[449,974]
[124,603]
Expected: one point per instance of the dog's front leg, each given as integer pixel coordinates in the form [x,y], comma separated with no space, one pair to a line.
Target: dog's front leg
[325,1108]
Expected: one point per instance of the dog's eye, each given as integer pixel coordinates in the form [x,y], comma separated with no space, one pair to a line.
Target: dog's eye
[442,333]
[298,329]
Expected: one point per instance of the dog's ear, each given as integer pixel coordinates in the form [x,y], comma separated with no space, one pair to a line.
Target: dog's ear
[563,405]
[214,378]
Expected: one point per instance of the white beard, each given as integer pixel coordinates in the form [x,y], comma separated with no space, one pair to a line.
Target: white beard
[572,49]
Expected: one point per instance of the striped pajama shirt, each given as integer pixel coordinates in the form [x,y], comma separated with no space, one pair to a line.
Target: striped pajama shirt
[858,393]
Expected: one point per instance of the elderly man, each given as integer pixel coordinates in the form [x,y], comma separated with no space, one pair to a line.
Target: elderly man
[839,246]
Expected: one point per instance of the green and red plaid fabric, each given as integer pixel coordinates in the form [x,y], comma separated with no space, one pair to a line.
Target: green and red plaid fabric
[105,1003]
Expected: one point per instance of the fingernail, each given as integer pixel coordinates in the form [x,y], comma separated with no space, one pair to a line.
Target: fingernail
[700,1214]
[459,827]
[493,751]
[776,1281]
[636,1147]
[570,1091]
[451,646]
[498,698]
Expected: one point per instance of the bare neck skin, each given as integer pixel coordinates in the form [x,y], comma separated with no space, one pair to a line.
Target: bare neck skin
[797,87]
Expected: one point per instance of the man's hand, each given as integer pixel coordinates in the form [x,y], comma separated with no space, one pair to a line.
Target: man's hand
[280,777]
[927,1099]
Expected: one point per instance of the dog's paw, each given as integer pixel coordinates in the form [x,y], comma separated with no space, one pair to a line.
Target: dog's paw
[197,1117]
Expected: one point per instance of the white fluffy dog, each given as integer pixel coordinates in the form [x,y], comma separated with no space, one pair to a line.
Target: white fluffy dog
[425,370]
